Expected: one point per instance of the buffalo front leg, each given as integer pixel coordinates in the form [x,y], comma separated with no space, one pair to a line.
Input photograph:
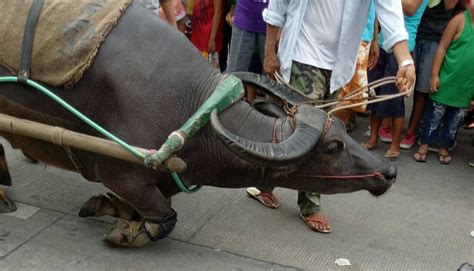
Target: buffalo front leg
[6,204]
[136,186]
[133,233]
[108,204]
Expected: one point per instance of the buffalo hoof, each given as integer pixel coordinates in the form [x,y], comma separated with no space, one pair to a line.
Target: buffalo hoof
[128,233]
[6,204]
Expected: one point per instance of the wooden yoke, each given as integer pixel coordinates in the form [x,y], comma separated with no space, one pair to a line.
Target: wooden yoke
[63,137]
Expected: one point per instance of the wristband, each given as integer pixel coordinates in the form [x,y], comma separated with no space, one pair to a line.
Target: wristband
[405,63]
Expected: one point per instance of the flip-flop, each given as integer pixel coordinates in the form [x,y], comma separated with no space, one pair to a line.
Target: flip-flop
[316,218]
[471,163]
[267,199]
[392,155]
[368,146]
[444,159]
[420,157]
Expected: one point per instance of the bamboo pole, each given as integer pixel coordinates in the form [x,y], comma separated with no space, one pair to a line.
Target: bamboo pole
[67,138]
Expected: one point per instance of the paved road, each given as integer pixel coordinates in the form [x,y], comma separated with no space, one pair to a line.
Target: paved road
[422,223]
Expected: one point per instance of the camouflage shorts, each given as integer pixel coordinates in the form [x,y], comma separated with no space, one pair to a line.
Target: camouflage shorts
[312,82]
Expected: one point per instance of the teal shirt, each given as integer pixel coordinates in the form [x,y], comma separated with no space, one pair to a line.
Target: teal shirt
[411,25]
[368,33]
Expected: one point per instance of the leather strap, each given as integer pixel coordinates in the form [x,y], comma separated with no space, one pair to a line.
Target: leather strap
[28,38]
[80,166]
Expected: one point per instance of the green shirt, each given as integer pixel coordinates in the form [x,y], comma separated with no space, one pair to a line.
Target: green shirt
[456,77]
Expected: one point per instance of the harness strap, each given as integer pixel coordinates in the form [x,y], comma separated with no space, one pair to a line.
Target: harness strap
[28,39]
[79,165]
[57,138]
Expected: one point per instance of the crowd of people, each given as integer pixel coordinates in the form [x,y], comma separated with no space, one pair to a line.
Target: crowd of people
[315,46]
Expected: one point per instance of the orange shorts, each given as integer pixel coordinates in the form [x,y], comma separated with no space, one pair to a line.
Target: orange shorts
[360,77]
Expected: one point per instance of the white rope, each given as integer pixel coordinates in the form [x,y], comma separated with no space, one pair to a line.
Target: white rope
[369,89]
[57,135]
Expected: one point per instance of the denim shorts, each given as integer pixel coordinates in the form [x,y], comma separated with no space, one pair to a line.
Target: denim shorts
[440,124]
[423,54]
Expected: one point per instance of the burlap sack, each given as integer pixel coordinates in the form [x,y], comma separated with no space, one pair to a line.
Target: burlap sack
[68,36]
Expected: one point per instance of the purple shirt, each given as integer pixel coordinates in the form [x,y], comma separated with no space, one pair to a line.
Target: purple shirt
[248,15]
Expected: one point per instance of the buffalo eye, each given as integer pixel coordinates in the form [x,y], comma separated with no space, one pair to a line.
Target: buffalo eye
[334,147]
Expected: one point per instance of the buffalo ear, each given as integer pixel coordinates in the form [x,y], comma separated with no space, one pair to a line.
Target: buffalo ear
[334,147]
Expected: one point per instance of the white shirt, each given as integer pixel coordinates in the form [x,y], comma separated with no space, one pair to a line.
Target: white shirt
[318,40]
[288,14]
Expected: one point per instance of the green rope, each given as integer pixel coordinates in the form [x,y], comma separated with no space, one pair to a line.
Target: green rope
[132,150]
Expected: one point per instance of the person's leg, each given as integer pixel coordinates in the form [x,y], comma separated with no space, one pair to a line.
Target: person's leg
[314,83]
[241,49]
[432,117]
[419,106]
[310,211]
[375,124]
[397,127]
[309,202]
[309,81]
[423,55]
[376,73]
[393,109]
[451,123]
[226,37]
[240,55]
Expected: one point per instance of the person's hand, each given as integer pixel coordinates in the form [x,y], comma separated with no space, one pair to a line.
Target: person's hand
[271,65]
[211,46]
[434,83]
[374,54]
[230,18]
[406,78]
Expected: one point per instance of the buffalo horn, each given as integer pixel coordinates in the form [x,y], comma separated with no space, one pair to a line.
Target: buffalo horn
[308,129]
[272,87]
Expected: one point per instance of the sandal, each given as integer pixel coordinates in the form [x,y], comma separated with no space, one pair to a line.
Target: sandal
[368,146]
[444,159]
[267,199]
[392,155]
[313,220]
[420,157]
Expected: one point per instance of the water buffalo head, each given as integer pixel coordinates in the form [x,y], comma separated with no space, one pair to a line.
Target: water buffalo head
[313,154]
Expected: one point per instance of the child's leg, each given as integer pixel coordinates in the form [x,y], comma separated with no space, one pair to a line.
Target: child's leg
[432,118]
[375,123]
[397,127]
[451,122]
[428,130]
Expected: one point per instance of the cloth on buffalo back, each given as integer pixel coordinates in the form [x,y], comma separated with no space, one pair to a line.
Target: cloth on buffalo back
[68,36]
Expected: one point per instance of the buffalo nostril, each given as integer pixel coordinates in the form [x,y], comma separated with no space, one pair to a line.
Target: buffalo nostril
[391,173]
